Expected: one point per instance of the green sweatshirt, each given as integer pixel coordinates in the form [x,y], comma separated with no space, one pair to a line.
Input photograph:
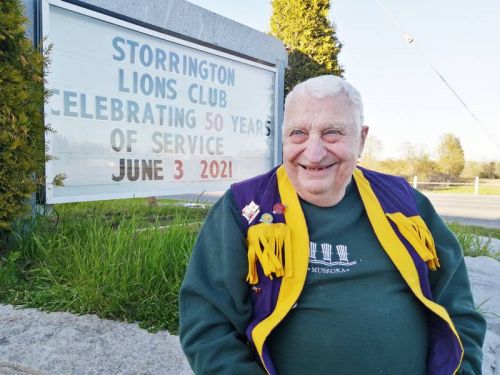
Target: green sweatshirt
[356,314]
[215,300]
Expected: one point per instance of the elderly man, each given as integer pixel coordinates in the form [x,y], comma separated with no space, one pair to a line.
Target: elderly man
[323,267]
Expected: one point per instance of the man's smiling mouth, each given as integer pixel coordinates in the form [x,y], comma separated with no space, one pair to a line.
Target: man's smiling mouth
[316,169]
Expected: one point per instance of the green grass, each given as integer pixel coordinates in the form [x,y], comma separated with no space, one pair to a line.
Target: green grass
[475,229]
[471,243]
[97,261]
[121,260]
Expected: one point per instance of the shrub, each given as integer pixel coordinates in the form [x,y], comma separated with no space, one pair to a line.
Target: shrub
[22,95]
[309,37]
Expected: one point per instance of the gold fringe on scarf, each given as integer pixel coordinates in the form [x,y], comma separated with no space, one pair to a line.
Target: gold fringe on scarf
[270,245]
[417,234]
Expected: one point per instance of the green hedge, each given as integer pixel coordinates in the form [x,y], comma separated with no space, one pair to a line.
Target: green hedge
[22,95]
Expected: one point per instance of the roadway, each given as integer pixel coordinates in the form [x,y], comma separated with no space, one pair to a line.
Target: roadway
[483,210]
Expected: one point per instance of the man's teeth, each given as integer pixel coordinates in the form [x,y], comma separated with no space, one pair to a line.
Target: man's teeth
[315,169]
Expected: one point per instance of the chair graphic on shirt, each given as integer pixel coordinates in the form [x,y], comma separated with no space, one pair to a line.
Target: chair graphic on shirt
[324,256]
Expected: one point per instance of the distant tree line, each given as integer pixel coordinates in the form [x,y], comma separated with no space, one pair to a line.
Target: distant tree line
[449,165]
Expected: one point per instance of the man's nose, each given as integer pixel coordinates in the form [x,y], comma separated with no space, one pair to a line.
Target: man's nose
[315,150]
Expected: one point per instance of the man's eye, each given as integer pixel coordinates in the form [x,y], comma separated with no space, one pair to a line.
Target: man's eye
[298,136]
[296,132]
[333,131]
[332,135]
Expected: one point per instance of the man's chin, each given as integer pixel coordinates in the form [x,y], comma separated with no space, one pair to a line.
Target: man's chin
[317,189]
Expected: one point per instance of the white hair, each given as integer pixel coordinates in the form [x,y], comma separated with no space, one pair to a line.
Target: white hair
[330,86]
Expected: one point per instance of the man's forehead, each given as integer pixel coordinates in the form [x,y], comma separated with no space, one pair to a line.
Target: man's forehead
[338,105]
[334,111]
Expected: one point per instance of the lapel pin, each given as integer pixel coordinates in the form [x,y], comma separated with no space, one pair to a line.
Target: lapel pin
[257,290]
[279,208]
[250,211]
[266,218]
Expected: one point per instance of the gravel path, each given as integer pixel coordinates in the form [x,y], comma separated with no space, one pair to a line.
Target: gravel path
[33,342]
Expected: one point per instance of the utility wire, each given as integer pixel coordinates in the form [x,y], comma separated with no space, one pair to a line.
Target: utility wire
[409,39]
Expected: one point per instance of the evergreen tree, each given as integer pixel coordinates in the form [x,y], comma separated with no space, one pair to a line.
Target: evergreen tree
[22,150]
[451,159]
[309,38]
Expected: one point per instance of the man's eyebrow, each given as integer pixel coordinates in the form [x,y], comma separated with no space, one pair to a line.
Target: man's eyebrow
[336,125]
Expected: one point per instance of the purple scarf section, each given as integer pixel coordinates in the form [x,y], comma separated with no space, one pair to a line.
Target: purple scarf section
[394,195]
[263,190]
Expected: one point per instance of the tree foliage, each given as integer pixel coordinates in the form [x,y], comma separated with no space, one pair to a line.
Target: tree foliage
[419,163]
[451,159]
[309,38]
[397,167]
[471,169]
[488,170]
[22,150]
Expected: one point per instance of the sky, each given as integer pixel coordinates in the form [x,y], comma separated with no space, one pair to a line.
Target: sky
[405,100]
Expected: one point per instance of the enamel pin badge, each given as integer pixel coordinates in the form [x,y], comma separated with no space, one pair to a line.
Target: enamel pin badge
[279,208]
[257,290]
[250,211]
[266,218]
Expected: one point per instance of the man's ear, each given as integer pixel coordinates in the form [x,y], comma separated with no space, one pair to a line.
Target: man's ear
[362,138]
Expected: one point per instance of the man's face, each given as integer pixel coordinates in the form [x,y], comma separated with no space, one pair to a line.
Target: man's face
[321,145]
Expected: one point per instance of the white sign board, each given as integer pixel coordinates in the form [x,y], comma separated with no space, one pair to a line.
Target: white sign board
[139,113]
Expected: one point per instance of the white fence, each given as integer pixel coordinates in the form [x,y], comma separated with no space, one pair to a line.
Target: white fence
[417,183]
[474,186]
